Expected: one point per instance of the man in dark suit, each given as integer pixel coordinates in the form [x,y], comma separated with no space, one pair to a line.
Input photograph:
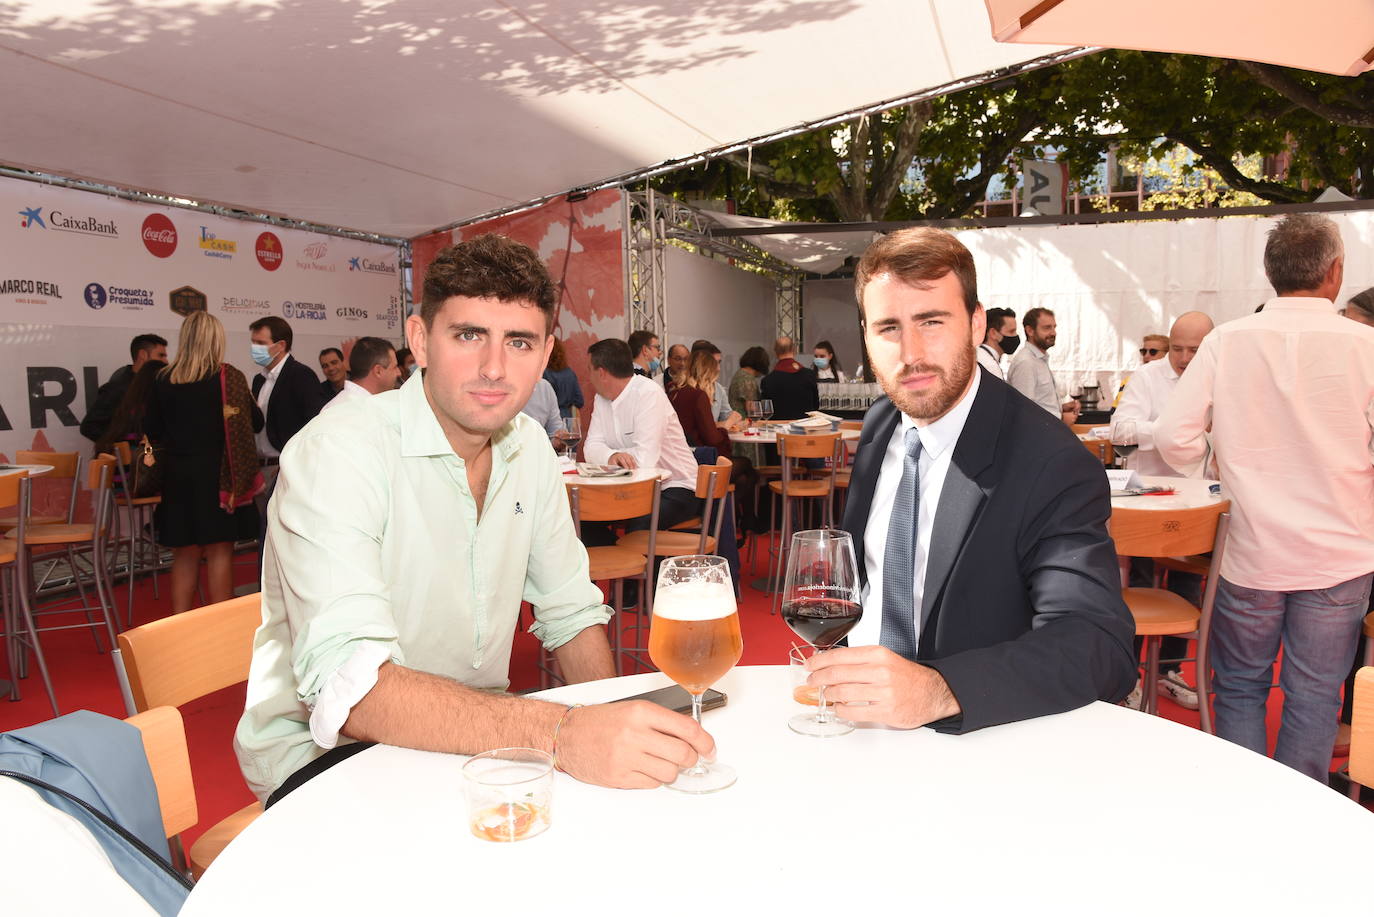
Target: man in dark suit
[990,586]
[790,386]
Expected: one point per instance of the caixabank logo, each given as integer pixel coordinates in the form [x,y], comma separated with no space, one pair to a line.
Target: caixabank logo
[369,266]
[309,311]
[159,235]
[99,295]
[30,292]
[64,221]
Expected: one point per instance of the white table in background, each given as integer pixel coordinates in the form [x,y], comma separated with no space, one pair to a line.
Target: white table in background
[634,477]
[771,438]
[35,470]
[1040,817]
[1190,493]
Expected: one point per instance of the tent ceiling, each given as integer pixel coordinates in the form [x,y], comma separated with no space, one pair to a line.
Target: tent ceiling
[397,116]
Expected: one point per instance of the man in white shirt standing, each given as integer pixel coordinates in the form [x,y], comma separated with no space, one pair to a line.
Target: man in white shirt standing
[1029,371]
[372,369]
[634,426]
[1133,428]
[1289,396]
[1000,338]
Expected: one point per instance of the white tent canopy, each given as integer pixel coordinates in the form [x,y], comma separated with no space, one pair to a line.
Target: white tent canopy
[398,116]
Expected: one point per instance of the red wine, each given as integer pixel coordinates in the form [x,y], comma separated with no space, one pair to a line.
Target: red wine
[821,622]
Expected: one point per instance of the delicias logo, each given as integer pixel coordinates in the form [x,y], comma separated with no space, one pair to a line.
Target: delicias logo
[159,235]
[268,250]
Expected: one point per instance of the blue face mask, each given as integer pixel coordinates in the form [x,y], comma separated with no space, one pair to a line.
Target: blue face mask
[655,365]
[262,354]
[821,362]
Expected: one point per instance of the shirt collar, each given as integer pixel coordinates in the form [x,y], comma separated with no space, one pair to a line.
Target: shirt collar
[275,371]
[944,433]
[1037,352]
[350,385]
[421,434]
[1301,303]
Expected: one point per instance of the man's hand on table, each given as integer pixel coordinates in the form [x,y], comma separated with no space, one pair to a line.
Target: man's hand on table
[624,460]
[872,684]
[630,745]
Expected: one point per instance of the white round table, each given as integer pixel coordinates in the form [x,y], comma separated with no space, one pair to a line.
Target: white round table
[35,470]
[1189,493]
[634,477]
[1045,816]
[771,438]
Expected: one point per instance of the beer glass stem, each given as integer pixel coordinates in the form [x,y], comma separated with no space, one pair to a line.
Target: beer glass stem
[696,770]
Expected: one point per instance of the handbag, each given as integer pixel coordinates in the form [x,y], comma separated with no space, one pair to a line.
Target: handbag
[240,479]
[147,470]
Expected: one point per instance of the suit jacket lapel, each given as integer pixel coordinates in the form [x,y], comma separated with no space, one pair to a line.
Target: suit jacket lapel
[962,496]
[879,423]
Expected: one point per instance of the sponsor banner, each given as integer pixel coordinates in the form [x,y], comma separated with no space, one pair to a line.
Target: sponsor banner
[92,271]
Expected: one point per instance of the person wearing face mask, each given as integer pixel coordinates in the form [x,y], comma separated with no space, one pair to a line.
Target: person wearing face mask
[1000,339]
[826,364]
[288,394]
[648,353]
[406,360]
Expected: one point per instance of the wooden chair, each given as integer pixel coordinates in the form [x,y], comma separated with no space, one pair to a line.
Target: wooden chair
[1102,448]
[616,563]
[790,491]
[713,483]
[164,742]
[86,536]
[18,617]
[1362,730]
[139,510]
[177,659]
[1158,612]
[66,466]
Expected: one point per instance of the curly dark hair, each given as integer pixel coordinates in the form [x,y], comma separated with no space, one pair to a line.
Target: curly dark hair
[492,266]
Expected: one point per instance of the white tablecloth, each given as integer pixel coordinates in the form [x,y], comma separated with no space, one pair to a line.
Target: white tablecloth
[1190,493]
[770,437]
[1046,816]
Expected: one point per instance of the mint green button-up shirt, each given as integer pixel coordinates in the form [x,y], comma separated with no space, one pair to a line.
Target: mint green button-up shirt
[374,538]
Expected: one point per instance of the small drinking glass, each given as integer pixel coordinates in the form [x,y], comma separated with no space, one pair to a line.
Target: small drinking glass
[802,693]
[510,793]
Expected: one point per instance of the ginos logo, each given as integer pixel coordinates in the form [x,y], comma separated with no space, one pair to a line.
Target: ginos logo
[159,235]
[268,250]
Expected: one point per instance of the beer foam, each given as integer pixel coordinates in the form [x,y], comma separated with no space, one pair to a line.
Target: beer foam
[694,601]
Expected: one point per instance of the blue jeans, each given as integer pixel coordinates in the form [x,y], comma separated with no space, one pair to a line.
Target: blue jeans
[1318,629]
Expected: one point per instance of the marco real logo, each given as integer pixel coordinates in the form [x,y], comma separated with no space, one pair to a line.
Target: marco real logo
[212,246]
[268,250]
[63,221]
[29,292]
[159,235]
[369,266]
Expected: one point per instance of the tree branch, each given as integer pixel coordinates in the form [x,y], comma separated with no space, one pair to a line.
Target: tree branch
[1292,89]
[764,174]
[888,179]
[1278,192]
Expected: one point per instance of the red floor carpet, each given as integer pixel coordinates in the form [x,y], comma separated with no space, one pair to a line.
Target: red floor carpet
[84,679]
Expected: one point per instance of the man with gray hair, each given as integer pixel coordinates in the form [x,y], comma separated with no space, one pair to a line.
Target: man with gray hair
[1288,395]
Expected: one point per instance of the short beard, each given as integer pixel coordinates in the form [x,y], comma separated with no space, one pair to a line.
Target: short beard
[934,404]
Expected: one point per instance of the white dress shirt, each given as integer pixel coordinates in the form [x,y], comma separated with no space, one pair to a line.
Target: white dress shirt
[351,391]
[1029,373]
[937,449]
[543,407]
[1133,421]
[269,376]
[990,359]
[1289,394]
[641,422]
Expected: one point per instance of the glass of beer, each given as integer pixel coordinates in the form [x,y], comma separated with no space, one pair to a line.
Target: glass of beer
[820,602]
[694,639]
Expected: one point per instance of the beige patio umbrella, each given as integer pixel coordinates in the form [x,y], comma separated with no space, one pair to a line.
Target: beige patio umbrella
[1331,36]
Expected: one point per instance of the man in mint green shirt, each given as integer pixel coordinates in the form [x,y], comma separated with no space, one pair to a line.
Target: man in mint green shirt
[404,533]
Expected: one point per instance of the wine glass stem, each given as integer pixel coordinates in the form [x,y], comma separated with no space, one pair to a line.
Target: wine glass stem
[697,769]
[822,711]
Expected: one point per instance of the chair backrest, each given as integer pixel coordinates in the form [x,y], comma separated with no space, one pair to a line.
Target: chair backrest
[164,742]
[612,502]
[64,464]
[124,452]
[100,475]
[179,658]
[9,488]
[720,471]
[808,445]
[1362,729]
[1166,532]
[851,425]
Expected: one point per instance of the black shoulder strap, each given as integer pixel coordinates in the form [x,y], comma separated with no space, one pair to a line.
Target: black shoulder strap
[110,823]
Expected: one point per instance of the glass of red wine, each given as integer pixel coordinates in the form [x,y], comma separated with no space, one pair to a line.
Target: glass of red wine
[820,602]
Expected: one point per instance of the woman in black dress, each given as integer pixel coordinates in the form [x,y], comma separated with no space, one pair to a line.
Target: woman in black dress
[186,417]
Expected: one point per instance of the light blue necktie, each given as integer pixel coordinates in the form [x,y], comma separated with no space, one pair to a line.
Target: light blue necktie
[899,556]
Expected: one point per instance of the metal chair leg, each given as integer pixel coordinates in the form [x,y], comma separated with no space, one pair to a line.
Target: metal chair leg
[26,612]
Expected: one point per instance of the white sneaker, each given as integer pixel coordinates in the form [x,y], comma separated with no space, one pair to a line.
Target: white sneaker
[1134,698]
[1172,686]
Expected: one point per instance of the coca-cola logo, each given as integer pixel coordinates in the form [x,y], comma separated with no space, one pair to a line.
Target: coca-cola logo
[159,235]
[268,250]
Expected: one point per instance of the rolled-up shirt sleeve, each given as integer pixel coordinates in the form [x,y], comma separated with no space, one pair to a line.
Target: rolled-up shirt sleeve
[328,516]
[557,579]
